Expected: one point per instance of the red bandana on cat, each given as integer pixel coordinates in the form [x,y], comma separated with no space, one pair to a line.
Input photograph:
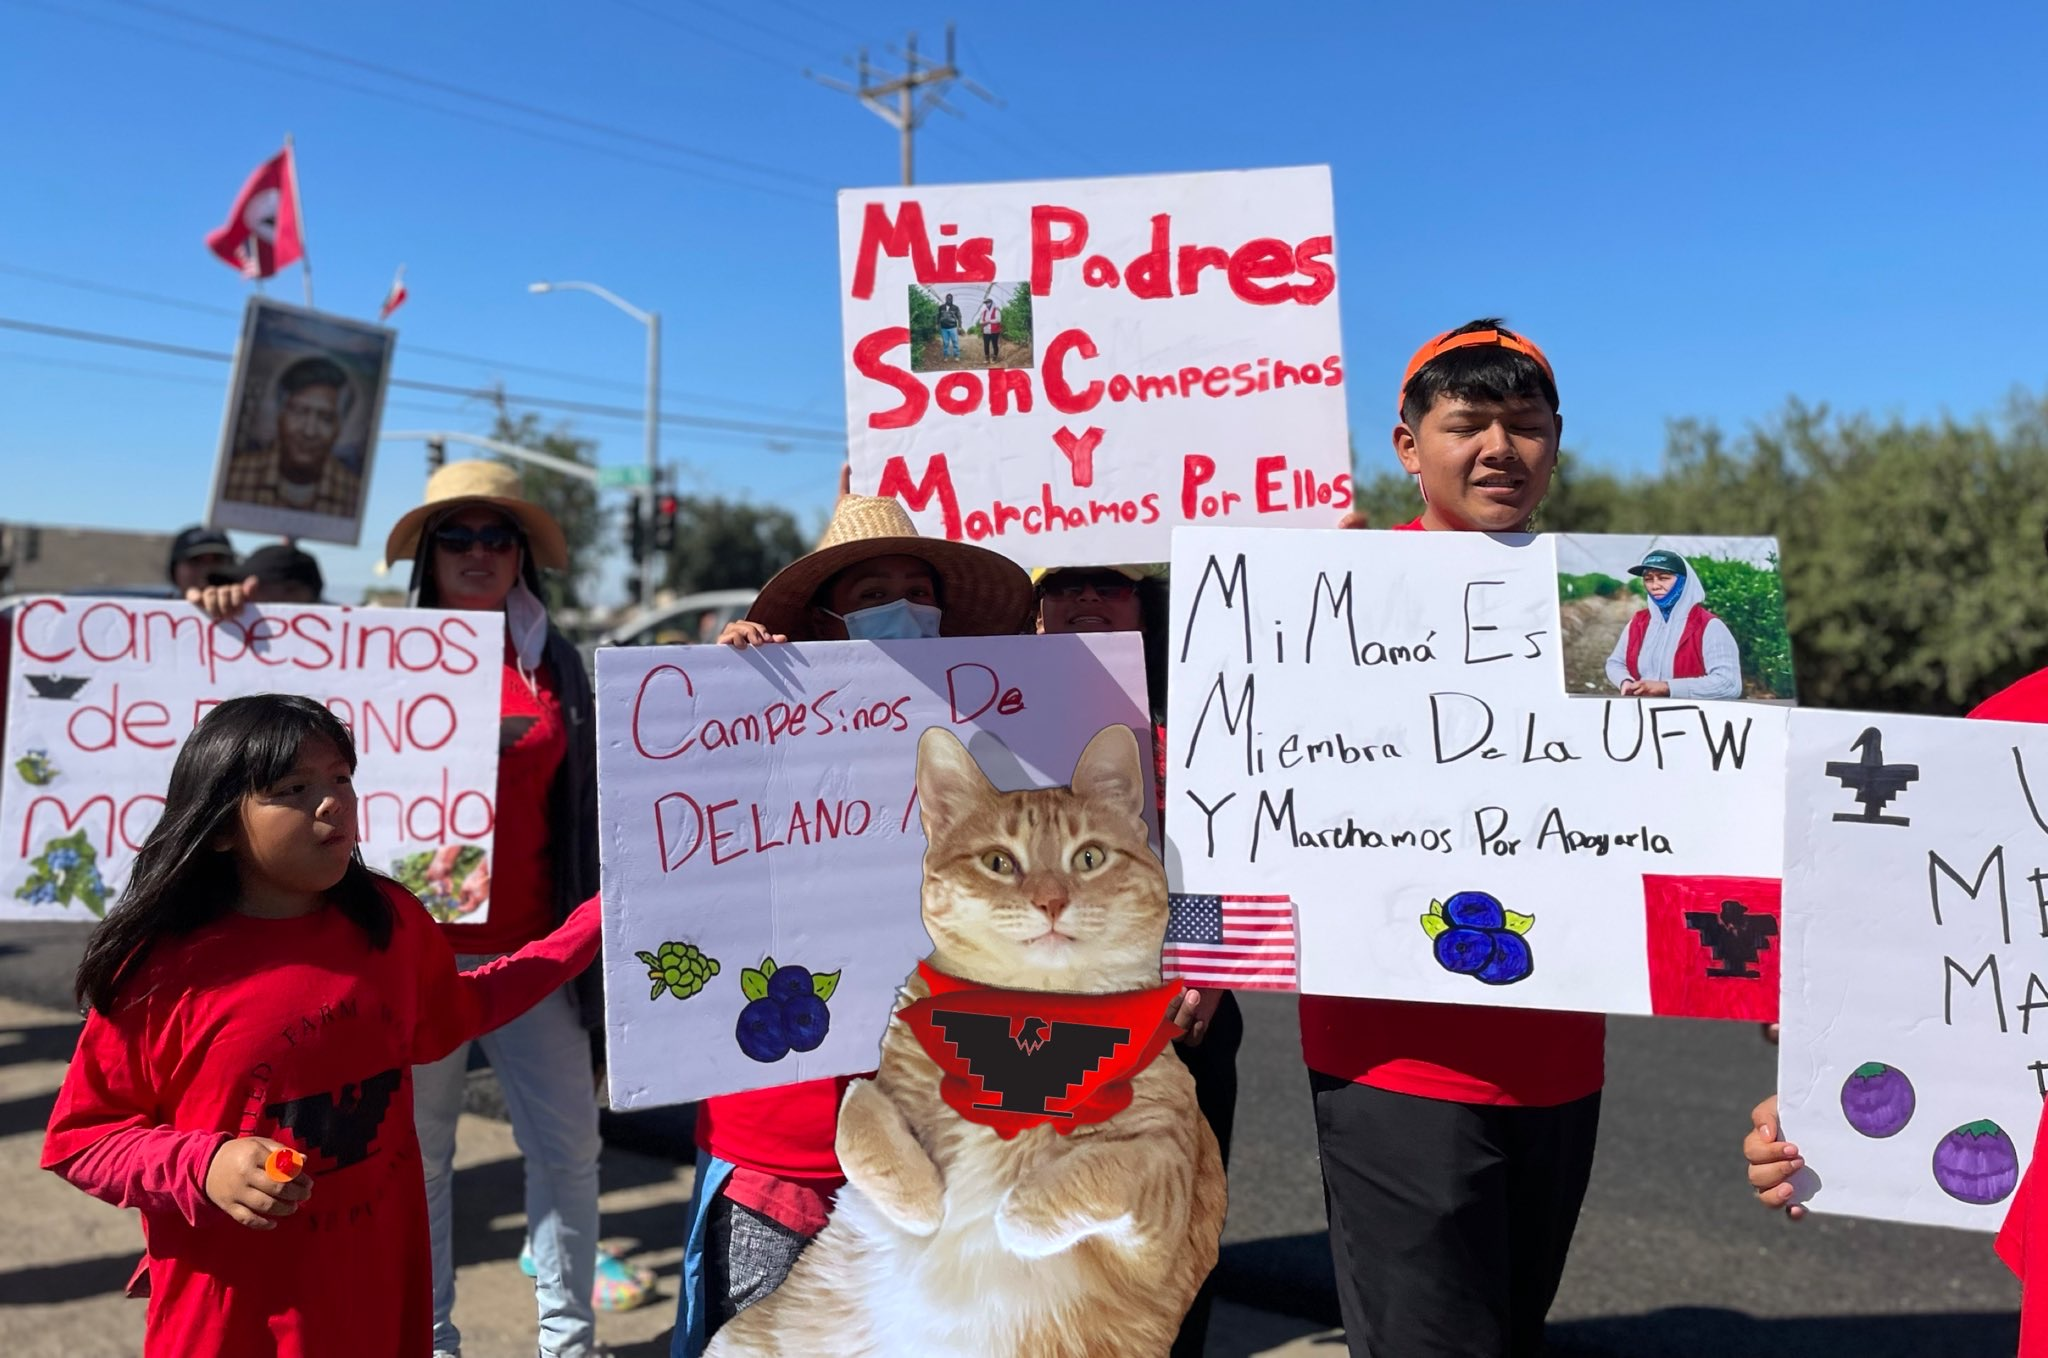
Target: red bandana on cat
[1013,1059]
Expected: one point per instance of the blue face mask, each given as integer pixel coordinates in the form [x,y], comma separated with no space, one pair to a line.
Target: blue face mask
[898,621]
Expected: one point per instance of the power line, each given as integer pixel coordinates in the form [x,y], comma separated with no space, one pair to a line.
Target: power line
[440,388]
[451,355]
[818,18]
[478,96]
[910,109]
[746,21]
[706,34]
[271,67]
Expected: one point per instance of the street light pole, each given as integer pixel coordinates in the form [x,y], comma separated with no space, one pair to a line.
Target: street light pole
[652,320]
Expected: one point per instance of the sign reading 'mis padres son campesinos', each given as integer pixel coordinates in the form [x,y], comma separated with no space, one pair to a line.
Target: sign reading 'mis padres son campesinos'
[1063,371]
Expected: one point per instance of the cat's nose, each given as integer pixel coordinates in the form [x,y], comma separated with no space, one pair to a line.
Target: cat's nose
[1050,904]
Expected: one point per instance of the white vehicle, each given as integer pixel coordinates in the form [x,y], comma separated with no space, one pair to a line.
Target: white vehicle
[694,619]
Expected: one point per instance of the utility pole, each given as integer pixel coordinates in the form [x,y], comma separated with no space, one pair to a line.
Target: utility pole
[908,111]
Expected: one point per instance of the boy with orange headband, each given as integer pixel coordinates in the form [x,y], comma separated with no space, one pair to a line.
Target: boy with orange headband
[1456,1140]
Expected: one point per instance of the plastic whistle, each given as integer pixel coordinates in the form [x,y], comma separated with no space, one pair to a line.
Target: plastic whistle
[283,1164]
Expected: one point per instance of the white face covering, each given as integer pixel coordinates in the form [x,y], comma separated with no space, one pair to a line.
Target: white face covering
[526,622]
[898,621]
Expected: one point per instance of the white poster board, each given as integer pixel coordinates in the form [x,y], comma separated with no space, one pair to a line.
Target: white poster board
[300,431]
[1916,906]
[1371,723]
[759,804]
[102,692]
[1170,354]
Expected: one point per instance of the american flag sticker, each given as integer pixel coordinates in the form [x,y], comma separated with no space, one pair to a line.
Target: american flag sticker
[1242,942]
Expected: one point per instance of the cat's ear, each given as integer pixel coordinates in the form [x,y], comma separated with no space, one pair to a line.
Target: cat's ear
[946,774]
[1110,771]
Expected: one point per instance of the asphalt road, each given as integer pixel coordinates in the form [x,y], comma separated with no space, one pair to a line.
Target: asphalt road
[1672,1259]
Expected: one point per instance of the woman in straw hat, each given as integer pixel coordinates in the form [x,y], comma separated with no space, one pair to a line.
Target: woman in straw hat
[766,1170]
[477,544]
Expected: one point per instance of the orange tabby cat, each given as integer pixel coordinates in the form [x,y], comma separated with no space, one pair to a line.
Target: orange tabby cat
[948,1239]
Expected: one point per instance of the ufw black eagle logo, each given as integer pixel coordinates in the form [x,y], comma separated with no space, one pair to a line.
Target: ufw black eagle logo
[342,1127]
[1033,1065]
[1735,937]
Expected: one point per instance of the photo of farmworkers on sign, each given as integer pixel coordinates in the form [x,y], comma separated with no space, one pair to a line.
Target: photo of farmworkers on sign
[975,325]
[1673,617]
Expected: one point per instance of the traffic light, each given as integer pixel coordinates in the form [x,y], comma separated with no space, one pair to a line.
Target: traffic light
[636,531]
[665,524]
[633,591]
[437,455]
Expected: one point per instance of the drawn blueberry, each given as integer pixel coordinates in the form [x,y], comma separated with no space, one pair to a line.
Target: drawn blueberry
[805,1020]
[760,1031]
[1475,910]
[1977,1163]
[790,983]
[1511,959]
[1464,951]
[1877,1099]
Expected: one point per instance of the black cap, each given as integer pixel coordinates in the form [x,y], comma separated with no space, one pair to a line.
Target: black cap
[198,541]
[1660,560]
[283,564]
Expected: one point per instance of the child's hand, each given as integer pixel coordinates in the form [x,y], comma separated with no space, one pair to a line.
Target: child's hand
[1772,1163]
[236,1183]
[1191,1014]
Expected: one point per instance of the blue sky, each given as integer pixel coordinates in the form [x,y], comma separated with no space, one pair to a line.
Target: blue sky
[1697,210]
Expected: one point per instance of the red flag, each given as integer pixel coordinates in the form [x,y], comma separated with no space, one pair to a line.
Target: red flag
[395,298]
[262,231]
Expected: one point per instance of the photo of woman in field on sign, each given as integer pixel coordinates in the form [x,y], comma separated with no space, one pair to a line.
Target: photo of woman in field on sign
[970,325]
[1702,618]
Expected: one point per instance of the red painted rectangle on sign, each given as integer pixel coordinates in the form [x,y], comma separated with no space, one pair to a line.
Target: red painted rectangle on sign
[1713,946]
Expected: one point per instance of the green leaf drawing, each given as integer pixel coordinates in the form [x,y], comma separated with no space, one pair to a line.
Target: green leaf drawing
[1436,908]
[754,984]
[767,966]
[659,986]
[1434,925]
[649,959]
[823,986]
[65,873]
[1519,924]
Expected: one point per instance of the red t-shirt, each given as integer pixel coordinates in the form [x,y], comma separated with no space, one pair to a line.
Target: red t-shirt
[780,1143]
[2027,1217]
[1459,1053]
[532,742]
[295,1030]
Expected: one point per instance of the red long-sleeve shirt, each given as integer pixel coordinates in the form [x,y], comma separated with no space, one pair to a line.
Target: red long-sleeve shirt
[296,1030]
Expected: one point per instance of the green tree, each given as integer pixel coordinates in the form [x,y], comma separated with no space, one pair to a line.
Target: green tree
[729,544]
[570,499]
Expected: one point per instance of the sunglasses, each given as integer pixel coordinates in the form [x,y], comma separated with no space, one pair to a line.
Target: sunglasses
[1105,587]
[495,538]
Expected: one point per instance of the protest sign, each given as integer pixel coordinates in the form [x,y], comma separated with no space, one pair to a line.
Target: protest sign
[1165,350]
[102,692]
[1374,726]
[1916,935]
[761,838]
[301,425]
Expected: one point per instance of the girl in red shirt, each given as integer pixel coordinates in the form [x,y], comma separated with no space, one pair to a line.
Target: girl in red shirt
[260,989]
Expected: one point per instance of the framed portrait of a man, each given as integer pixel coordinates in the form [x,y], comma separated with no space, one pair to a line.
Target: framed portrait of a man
[300,432]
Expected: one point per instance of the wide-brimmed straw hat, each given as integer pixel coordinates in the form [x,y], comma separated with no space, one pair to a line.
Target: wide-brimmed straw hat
[982,593]
[486,483]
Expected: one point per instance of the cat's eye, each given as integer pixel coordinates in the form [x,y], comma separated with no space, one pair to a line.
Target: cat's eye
[998,862]
[1089,857]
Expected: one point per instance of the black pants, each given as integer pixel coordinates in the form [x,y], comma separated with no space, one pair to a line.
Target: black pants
[1449,1222]
[990,342]
[1214,1066]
